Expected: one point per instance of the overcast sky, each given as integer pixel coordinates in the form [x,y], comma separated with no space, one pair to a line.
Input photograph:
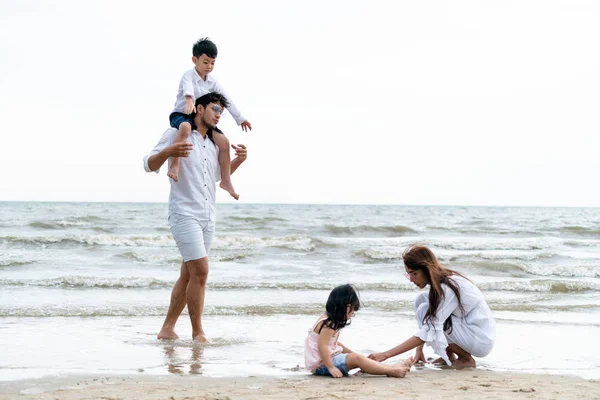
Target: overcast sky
[383,102]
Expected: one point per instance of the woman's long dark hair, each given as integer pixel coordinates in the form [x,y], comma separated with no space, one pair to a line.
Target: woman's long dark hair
[337,306]
[421,258]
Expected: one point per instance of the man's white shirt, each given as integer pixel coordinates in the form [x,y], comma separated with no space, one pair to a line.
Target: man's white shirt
[193,85]
[195,192]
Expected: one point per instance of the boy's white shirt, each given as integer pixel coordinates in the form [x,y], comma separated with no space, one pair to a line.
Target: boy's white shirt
[193,85]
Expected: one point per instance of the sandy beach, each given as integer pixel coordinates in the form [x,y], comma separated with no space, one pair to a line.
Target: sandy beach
[420,384]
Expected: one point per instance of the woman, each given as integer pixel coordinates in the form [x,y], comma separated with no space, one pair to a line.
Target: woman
[453,317]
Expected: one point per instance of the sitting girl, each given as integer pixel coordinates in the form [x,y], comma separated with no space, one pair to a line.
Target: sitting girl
[324,355]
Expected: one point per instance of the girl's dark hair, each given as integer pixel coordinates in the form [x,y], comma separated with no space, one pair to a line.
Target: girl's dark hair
[204,46]
[337,306]
[421,258]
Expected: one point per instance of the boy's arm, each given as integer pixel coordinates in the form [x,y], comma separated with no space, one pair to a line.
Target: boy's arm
[240,156]
[324,338]
[187,87]
[233,110]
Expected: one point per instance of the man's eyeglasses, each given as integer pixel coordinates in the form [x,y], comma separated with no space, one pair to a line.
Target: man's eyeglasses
[218,109]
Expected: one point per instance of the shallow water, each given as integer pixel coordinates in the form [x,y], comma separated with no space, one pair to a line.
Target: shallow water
[85,286]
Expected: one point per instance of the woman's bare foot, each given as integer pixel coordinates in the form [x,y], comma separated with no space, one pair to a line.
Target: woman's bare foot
[462,363]
[228,186]
[440,360]
[167,334]
[201,338]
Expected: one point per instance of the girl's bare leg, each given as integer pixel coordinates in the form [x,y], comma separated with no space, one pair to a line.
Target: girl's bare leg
[373,367]
[184,132]
[225,163]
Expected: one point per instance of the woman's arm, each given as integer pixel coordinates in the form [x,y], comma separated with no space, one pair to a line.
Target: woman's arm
[409,344]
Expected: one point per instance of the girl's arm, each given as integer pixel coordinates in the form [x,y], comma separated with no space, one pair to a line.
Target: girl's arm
[324,338]
[345,349]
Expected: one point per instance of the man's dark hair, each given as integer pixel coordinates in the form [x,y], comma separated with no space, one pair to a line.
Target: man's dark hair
[204,46]
[212,97]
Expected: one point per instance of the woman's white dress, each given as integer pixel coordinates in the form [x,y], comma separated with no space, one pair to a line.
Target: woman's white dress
[474,332]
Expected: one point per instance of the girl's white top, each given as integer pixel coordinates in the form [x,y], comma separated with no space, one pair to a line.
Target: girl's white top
[312,357]
[474,331]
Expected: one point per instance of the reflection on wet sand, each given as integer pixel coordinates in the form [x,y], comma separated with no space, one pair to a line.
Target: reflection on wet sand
[178,357]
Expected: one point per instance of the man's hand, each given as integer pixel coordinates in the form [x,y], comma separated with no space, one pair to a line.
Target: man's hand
[180,149]
[240,151]
[246,125]
[335,373]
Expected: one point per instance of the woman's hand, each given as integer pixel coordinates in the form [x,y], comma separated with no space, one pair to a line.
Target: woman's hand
[378,356]
[419,356]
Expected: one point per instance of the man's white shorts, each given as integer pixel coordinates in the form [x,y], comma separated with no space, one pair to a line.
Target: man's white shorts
[193,237]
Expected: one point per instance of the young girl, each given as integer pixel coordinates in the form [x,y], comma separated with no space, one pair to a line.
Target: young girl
[453,317]
[324,355]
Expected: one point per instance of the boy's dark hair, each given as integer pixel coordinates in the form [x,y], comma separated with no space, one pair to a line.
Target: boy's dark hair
[212,97]
[337,306]
[204,46]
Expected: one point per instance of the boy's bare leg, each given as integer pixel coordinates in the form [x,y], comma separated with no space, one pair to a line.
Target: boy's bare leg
[184,132]
[225,163]
[373,367]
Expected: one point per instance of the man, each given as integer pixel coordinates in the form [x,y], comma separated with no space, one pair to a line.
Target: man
[192,207]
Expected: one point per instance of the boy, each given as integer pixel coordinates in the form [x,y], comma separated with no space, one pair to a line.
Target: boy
[195,83]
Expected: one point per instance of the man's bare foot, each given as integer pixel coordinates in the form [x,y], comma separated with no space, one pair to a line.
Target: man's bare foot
[201,338]
[167,334]
[226,185]
[462,363]
[173,173]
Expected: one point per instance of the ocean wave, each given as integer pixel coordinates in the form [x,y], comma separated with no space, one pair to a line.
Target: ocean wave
[291,242]
[15,263]
[87,282]
[580,230]
[92,240]
[254,219]
[147,311]
[392,230]
[542,285]
[70,222]
[176,258]
[150,258]
[379,255]
[532,307]
[397,307]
